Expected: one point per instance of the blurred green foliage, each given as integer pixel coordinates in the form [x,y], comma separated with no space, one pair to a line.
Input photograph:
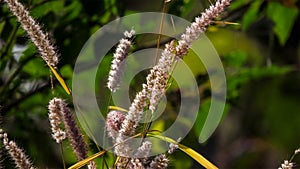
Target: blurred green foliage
[261,58]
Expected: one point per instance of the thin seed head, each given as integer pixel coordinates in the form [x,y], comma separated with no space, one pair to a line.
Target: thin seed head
[136,163]
[134,114]
[92,165]
[114,121]
[38,37]
[144,150]
[122,163]
[118,62]
[72,130]
[55,119]
[160,162]
[286,165]
[157,79]
[199,26]
[16,153]
[173,147]
[159,75]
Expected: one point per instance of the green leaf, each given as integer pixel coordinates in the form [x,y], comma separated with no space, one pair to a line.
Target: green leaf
[28,53]
[237,4]
[36,68]
[2,24]
[73,11]
[283,18]
[187,7]
[66,71]
[251,15]
[44,9]
[236,58]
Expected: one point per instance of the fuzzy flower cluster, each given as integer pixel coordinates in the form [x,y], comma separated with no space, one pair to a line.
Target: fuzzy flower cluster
[134,114]
[199,26]
[141,156]
[140,160]
[154,89]
[73,132]
[144,150]
[16,153]
[160,162]
[92,165]
[173,147]
[38,37]
[286,165]
[56,120]
[59,112]
[119,61]
[159,75]
[114,120]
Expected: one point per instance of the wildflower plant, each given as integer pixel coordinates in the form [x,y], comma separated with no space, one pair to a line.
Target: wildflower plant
[122,126]
[16,153]
[105,121]
[289,164]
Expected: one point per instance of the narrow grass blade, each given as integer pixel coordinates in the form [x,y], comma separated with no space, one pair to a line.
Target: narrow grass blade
[192,153]
[198,157]
[61,80]
[87,160]
[117,108]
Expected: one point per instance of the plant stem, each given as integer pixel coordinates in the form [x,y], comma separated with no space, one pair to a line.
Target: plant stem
[62,154]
